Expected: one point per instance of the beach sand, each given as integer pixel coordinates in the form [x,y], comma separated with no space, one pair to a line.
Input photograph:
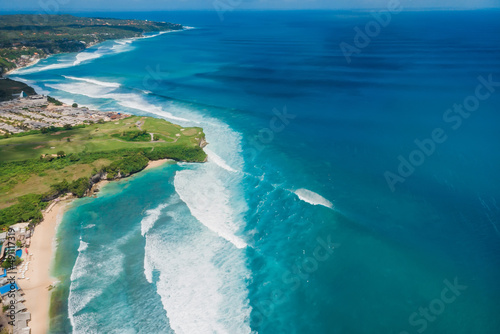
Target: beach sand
[156,163]
[40,257]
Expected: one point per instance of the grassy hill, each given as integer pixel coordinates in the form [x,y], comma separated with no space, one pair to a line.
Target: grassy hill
[38,167]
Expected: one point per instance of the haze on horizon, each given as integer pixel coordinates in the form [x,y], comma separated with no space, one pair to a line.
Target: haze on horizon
[146,5]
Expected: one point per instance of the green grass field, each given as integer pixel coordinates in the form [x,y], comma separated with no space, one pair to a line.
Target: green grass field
[98,138]
[88,150]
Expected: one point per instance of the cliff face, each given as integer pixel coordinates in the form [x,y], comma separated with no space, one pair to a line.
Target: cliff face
[203,142]
[9,87]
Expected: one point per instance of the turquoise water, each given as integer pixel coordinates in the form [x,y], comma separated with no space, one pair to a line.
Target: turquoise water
[291,227]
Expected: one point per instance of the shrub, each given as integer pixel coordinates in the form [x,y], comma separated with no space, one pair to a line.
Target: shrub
[75,105]
[54,101]
[133,135]
[10,263]
[28,208]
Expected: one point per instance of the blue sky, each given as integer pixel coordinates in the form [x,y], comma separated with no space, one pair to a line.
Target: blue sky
[124,5]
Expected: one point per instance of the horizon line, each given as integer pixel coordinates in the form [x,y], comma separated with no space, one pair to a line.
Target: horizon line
[428,9]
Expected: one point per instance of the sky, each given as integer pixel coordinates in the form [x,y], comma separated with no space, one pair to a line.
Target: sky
[148,5]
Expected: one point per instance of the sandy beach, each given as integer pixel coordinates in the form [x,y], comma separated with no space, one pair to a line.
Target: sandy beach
[40,256]
[156,163]
[41,253]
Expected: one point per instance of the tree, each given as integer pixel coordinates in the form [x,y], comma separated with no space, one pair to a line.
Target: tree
[75,105]
[61,154]
[19,244]
[10,262]
[68,127]
[44,130]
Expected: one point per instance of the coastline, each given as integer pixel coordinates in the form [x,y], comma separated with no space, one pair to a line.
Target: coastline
[43,247]
[156,163]
[40,257]
[42,253]
[33,63]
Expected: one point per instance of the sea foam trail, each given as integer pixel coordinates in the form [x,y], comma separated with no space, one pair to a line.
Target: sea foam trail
[208,200]
[31,83]
[84,56]
[112,47]
[201,278]
[312,198]
[107,90]
[94,81]
[151,217]
[218,160]
[102,277]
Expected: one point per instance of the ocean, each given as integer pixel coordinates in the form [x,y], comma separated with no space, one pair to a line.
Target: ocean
[345,192]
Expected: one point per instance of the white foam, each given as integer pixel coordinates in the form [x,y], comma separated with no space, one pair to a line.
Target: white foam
[218,160]
[137,102]
[94,81]
[208,199]
[85,270]
[312,198]
[111,47]
[201,279]
[100,89]
[151,218]
[38,89]
[84,56]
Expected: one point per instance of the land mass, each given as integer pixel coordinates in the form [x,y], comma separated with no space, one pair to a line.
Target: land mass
[74,149]
[26,38]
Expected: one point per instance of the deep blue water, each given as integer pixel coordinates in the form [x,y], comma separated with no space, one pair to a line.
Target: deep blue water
[236,245]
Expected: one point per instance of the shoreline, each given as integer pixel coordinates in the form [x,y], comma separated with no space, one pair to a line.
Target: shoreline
[42,253]
[38,276]
[33,63]
[156,163]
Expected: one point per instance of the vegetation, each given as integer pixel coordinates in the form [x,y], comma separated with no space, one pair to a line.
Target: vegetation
[27,209]
[9,87]
[133,136]
[50,99]
[27,35]
[11,263]
[43,165]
